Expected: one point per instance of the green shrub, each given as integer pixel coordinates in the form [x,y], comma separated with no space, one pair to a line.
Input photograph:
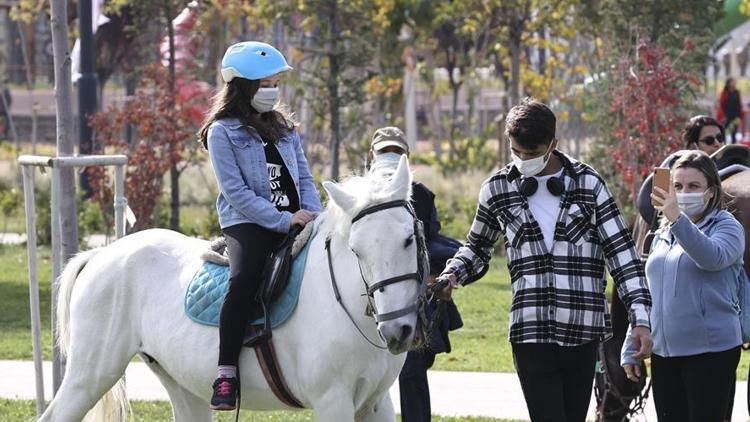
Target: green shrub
[206,227]
[474,153]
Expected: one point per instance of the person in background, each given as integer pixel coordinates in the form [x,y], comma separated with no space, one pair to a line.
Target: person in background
[692,271]
[265,188]
[5,117]
[704,133]
[387,147]
[730,110]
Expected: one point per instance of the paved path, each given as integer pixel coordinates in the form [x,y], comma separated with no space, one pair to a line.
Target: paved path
[453,393]
[92,240]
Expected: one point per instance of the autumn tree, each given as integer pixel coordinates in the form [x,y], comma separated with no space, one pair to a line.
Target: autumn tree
[646,93]
[675,43]
[165,138]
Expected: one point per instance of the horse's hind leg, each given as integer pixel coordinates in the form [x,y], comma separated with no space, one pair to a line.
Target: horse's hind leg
[100,350]
[186,407]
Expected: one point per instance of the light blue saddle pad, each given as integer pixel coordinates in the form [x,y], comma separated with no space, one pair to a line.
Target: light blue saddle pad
[206,291]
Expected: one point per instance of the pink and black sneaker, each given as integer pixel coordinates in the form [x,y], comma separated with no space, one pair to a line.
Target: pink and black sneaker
[225,394]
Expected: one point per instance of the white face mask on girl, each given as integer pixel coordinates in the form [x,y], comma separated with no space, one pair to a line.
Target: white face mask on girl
[265,99]
[692,204]
[533,166]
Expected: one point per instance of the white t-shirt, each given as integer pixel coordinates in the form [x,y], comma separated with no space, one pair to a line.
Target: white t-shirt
[545,208]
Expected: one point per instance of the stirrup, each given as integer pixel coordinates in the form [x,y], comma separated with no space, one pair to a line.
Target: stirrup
[257,336]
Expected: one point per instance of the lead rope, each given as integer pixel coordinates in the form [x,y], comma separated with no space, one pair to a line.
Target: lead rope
[338,295]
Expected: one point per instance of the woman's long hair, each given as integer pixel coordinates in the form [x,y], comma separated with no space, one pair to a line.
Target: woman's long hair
[233,100]
[728,84]
[692,130]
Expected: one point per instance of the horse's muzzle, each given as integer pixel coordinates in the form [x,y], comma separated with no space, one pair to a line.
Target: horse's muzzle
[397,336]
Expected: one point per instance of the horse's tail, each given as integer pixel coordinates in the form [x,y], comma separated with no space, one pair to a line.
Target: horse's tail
[113,406]
[65,290]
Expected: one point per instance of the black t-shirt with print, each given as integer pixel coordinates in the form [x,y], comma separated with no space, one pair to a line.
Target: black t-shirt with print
[283,193]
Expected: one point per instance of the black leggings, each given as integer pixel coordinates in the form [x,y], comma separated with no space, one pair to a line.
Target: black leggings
[247,247]
[693,388]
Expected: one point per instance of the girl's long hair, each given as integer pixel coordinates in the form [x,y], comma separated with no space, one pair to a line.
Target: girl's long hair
[233,100]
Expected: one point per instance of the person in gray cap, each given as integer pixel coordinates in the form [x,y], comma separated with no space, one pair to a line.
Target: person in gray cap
[387,147]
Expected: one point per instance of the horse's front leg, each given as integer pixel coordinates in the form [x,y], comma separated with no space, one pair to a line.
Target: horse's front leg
[334,408]
[380,412]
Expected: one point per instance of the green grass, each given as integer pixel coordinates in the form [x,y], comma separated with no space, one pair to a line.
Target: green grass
[481,345]
[15,325]
[157,411]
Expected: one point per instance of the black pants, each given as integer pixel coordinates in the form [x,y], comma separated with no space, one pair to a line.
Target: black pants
[693,388]
[556,380]
[413,387]
[247,247]
[731,138]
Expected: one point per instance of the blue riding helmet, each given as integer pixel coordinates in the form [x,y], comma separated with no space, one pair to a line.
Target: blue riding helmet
[252,60]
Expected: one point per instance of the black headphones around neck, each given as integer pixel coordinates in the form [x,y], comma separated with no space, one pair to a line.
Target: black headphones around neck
[529,186]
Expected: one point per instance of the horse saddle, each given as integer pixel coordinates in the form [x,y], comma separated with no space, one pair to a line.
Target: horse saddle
[732,159]
[280,286]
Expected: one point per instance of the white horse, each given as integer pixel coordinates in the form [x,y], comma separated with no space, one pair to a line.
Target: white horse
[127,299]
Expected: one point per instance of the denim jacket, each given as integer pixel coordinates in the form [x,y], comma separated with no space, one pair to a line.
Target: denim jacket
[692,270]
[239,162]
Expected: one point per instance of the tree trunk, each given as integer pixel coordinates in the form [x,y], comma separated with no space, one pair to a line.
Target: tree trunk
[433,117]
[65,126]
[542,50]
[174,174]
[65,147]
[455,90]
[516,29]
[333,89]
[515,69]
[29,84]
[410,106]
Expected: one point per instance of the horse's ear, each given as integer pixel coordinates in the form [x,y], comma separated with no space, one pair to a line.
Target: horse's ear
[401,179]
[339,196]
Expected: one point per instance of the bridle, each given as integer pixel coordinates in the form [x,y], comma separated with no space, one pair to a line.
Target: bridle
[371,288]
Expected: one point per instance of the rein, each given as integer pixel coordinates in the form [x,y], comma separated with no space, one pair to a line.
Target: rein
[611,390]
[418,276]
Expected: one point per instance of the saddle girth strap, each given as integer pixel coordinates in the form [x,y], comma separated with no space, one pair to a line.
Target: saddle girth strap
[266,355]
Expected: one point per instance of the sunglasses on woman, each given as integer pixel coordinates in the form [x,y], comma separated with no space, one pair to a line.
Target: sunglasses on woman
[709,140]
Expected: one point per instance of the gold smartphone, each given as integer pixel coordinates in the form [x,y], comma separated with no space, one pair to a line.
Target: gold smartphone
[662,178]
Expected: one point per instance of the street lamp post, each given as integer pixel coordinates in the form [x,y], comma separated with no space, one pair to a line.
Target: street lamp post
[86,87]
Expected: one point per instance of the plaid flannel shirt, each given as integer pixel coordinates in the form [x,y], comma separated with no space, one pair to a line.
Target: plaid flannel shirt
[558,295]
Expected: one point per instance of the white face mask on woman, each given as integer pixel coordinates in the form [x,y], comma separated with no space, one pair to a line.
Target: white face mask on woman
[692,204]
[265,99]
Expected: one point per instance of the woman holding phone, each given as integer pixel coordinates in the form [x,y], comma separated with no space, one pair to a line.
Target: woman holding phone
[692,270]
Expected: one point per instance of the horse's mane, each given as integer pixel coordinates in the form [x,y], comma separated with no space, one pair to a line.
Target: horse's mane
[369,190]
